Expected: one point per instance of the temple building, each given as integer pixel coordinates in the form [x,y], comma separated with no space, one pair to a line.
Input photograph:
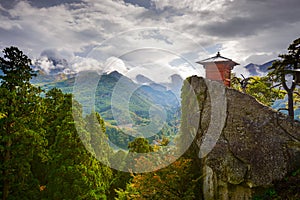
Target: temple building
[218,68]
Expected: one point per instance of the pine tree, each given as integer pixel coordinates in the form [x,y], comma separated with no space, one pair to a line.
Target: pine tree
[284,67]
[22,137]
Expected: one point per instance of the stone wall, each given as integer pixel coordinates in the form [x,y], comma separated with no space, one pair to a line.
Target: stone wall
[243,145]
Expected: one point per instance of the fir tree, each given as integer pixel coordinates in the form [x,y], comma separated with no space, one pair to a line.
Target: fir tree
[22,137]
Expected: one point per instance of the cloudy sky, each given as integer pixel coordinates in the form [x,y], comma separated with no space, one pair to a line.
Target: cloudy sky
[160,37]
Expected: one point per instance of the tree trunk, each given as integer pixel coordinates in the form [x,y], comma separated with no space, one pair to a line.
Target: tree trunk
[290,92]
[291,104]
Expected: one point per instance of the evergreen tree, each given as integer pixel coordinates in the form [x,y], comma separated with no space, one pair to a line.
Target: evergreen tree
[16,69]
[98,139]
[22,137]
[285,67]
[73,172]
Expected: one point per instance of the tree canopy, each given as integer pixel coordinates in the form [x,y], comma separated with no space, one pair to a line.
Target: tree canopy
[260,88]
[42,156]
[22,137]
[283,72]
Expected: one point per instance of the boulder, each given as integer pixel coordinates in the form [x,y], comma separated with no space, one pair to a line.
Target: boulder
[243,145]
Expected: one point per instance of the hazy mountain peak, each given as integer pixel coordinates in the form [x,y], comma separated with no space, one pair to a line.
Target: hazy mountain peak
[115,74]
[143,79]
[258,70]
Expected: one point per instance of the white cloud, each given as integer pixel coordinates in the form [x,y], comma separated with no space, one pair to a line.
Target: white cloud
[193,5]
[115,64]
[79,64]
[45,64]
[245,30]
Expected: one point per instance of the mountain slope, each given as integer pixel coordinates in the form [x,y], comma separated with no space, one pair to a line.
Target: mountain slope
[143,98]
[258,70]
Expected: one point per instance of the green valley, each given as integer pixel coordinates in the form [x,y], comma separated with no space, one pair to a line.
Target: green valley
[139,104]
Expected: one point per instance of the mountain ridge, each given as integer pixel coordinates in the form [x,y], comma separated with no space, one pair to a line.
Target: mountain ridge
[143,98]
[258,69]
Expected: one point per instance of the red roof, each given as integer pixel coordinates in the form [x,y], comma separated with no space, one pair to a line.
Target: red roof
[217,58]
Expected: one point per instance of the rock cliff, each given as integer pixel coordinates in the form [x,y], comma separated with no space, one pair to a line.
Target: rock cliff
[243,145]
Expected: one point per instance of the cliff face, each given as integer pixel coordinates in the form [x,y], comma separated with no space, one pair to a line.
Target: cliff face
[243,145]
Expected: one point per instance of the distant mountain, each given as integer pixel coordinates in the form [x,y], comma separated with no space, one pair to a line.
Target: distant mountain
[252,69]
[143,79]
[116,75]
[158,87]
[51,67]
[175,84]
[42,78]
[144,98]
[147,91]
[258,70]
[264,67]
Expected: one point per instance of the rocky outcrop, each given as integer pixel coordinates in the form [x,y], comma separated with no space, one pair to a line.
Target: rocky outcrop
[243,145]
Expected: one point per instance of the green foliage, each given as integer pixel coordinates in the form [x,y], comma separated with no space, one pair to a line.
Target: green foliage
[296,173]
[119,183]
[268,194]
[177,181]
[98,139]
[42,156]
[282,69]
[287,188]
[140,145]
[139,104]
[2,115]
[22,138]
[260,88]
[16,68]
[118,137]
[73,172]
[287,62]
[280,72]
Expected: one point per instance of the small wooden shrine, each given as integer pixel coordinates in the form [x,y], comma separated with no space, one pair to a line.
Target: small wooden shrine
[218,68]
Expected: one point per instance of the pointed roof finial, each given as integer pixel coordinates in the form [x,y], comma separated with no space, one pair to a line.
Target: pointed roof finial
[217,58]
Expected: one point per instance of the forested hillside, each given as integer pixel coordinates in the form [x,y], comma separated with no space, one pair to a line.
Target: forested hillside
[140,102]
[43,157]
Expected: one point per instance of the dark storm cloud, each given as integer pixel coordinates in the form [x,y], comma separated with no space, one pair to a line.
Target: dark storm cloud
[237,26]
[248,17]
[143,3]
[16,37]
[8,4]
[52,54]
[47,3]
